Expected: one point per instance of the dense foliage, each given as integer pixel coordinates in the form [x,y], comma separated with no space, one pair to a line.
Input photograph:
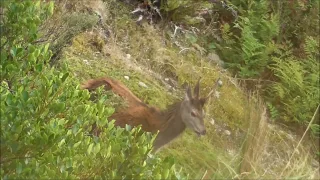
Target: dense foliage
[272,45]
[46,118]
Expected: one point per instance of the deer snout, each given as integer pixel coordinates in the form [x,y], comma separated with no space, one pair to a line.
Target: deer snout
[201,133]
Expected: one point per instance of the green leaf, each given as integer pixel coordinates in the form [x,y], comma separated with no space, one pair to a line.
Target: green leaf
[58,160]
[31,58]
[212,46]
[19,168]
[3,56]
[37,52]
[157,176]
[39,67]
[110,110]
[69,132]
[165,173]
[37,5]
[61,142]
[116,148]
[143,150]
[108,151]
[11,67]
[32,49]
[89,150]
[62,168]
[64,77]
[33,27]
[9,99]
[25,95]
[13,52]
[128,127]
[61,121]
[76,144]
[96,148]
[103,122]
[46,47]
[59,107]
[19,50]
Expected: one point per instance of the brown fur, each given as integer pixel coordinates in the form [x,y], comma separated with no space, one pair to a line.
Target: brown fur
[169,122]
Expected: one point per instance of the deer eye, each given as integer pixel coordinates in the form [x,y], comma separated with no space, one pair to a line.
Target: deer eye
[193,114]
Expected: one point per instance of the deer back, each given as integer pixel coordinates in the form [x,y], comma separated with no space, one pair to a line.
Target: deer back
[137,113]
[116,86]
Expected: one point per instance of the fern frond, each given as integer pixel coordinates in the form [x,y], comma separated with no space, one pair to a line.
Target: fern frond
[312,47]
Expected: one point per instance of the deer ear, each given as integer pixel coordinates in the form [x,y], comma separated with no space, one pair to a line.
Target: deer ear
[197,89]
[188,95]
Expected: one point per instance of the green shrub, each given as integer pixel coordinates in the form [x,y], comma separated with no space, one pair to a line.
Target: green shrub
[46,118]
[264,46]
[296,93]
[298,20]
[248,52]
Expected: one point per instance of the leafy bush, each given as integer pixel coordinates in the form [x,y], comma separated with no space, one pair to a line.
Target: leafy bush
[296,93]
[45,117]
[298,20]
[248,52]
[262,45]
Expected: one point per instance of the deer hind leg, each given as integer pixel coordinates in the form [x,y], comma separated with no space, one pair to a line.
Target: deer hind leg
[116,86]
[119,88]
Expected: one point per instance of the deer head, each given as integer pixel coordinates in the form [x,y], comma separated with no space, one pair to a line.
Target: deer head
[192,113]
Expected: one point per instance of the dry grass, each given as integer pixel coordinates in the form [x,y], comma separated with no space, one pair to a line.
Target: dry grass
[256,140]
[255,149]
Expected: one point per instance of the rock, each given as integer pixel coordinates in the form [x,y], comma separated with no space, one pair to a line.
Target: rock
[212,121]
[142,84]
[214,58]
[128,56]
[217,94]
[86,62]
[126,77]
[231,152]
[227,132]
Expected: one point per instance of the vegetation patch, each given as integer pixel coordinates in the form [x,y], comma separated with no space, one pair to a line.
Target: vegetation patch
[155,63]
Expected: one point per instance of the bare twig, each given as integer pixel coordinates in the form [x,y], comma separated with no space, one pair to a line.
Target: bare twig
[204,175]
[176,28]
[138,10]
[158,11]
[183,49]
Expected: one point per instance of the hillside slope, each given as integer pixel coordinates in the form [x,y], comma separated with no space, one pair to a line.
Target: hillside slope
[101,39]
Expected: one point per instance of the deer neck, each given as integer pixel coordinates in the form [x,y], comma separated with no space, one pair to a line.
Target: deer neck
[173,126]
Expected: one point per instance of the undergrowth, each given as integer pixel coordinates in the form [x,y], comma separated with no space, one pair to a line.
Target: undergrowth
[145,54]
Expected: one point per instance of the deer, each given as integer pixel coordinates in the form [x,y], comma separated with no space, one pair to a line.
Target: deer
[168,123]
